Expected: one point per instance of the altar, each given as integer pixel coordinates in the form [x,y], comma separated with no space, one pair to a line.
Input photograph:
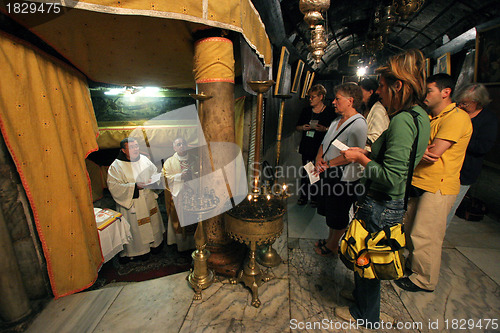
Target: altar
[114,232]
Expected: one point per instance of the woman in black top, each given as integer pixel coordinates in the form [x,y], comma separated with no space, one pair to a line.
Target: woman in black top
[313,123]
[474,99]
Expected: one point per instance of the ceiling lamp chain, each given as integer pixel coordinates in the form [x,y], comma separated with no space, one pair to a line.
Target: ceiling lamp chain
[312,10]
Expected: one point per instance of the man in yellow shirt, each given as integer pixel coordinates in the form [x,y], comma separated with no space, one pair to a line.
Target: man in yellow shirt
[437,181]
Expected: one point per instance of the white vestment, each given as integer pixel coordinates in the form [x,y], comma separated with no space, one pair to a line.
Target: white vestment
[146,224]
[183,237]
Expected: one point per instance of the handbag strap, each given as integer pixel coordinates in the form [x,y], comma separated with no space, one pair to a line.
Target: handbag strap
[337,135]
[411,165]
[413,157]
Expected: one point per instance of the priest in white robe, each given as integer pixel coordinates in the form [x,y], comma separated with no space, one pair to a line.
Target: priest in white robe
[178,169]
[128,178]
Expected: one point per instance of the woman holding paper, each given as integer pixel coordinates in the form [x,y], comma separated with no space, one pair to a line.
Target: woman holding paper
[340,178]
[313,123]
[402,88]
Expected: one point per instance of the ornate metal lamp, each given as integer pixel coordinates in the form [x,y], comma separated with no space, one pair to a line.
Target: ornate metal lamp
[258,220]
[406,8]
[318,43]
[375,44]
[388,20]
[312,10]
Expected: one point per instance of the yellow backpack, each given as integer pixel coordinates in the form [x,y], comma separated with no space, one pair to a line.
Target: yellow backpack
[376,255]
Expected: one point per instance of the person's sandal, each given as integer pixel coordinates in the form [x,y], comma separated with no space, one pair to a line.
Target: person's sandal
[320,243]
[324,251]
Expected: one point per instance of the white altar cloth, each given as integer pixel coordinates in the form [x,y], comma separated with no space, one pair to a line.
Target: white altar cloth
[112,235]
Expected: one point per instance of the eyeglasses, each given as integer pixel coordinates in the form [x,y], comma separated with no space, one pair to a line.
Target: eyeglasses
[464,104]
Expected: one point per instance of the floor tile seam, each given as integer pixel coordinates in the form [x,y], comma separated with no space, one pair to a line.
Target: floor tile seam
[185,316]
[107,309]
[192,303]
[404,305]
[479,268]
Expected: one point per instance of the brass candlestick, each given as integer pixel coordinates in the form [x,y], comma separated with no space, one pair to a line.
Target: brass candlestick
[267,255]
[201,277]
[280,127]
[260,87]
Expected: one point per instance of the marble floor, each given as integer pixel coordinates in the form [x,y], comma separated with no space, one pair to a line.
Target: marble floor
[303,293]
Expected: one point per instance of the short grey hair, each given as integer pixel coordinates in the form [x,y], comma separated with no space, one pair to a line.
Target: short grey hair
[475,92]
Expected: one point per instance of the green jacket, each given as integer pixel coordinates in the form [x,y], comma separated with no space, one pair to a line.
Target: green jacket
[389,177]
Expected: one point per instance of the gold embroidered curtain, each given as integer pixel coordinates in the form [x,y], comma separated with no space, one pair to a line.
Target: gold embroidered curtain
[145,42]
[48,123]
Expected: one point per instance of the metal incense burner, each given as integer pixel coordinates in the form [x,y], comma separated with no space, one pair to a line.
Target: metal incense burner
[258,220]
[255,222]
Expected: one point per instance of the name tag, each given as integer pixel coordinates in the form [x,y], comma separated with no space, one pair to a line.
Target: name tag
[310,134]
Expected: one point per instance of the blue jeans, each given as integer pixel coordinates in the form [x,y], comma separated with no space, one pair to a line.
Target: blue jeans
[376,215]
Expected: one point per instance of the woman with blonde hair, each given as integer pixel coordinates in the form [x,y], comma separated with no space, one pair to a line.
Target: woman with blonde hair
[387,168]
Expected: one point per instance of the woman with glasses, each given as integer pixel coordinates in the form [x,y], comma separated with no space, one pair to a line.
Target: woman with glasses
[473,99]
[313,123]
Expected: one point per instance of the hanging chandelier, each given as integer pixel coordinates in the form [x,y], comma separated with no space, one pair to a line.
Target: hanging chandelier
[388,20]
[318,43]
[406,8]
[312,10]
[375,44]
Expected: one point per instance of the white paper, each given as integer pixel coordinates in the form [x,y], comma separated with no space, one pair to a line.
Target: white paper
[310,169]
[154,179]
[339,145]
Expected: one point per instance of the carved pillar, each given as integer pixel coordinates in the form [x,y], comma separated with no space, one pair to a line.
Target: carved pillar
[214,76]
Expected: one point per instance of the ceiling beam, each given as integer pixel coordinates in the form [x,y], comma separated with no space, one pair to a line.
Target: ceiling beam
[451,26]
[451,4]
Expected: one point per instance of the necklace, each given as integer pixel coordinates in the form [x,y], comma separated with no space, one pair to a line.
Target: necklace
[322,108]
